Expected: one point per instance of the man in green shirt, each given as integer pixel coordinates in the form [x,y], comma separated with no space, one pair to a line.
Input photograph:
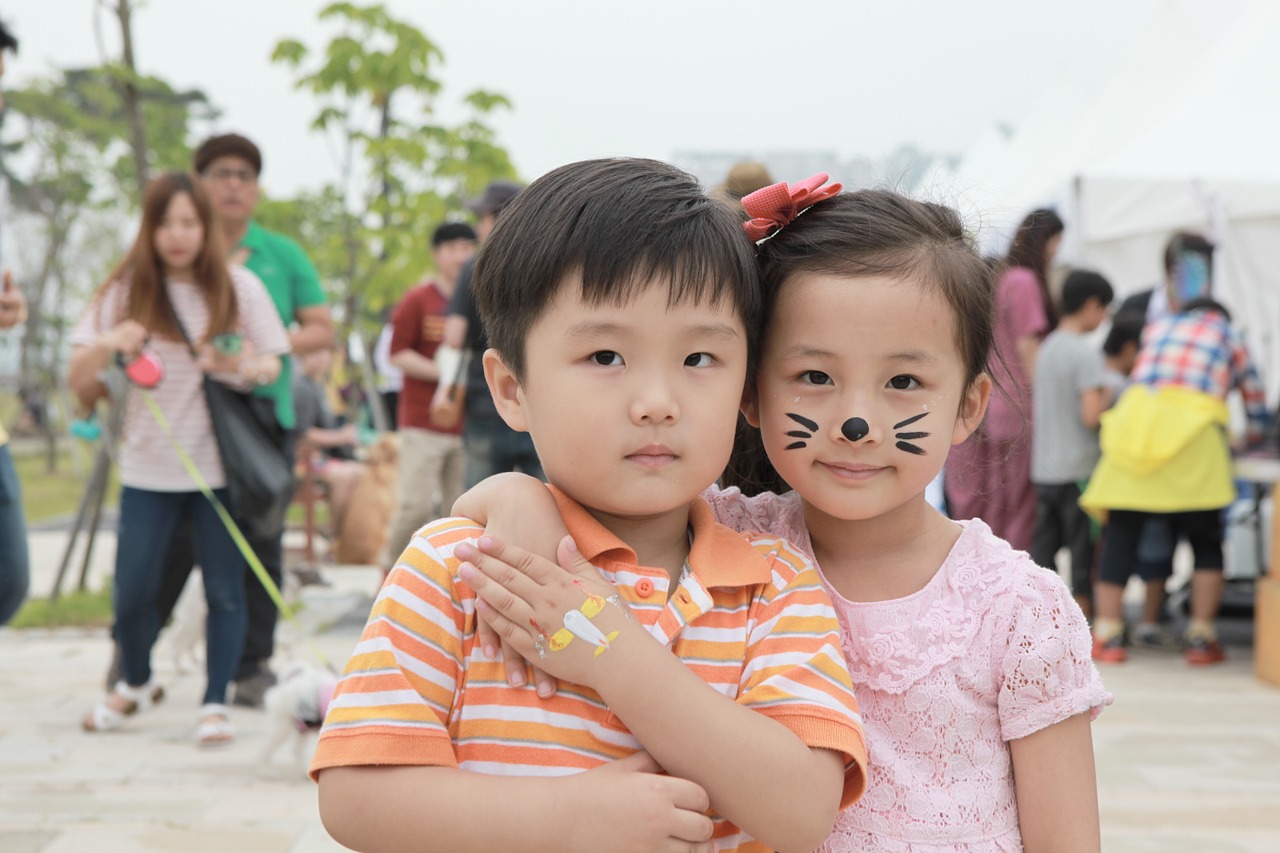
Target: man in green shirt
[229,166]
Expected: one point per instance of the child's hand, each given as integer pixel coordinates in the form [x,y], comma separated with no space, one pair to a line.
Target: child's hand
[627,806]
[565,621]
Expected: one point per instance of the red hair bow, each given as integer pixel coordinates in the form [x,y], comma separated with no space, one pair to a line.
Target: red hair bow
[774,207]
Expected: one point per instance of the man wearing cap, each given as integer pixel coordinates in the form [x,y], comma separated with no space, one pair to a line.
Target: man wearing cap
[229,166]
[491,447]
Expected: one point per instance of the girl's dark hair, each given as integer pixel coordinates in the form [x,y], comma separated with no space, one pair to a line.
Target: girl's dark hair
[875,233]
[142,270]
[1030,250]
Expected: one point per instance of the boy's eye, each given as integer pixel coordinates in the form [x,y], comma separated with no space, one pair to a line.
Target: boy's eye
[903,383]
[816,377]
[606,358]
[699,359]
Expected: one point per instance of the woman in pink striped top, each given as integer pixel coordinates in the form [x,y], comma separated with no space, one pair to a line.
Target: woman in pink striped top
[175,277]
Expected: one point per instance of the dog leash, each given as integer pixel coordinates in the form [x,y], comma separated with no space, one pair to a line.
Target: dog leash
[242,544]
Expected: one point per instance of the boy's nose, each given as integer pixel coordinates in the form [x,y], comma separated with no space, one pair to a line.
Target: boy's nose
[855,429]
[654,402]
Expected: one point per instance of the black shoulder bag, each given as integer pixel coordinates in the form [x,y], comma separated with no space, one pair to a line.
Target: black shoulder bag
[255,453]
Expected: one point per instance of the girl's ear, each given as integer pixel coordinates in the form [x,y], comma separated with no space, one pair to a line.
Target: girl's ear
[972,408]
[508,396]
[751,405]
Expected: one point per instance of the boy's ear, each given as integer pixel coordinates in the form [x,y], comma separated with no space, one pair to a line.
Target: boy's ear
[972,408]
[508,396]
[750,405]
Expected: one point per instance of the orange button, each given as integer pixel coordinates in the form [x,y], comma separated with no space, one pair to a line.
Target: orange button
[644,587]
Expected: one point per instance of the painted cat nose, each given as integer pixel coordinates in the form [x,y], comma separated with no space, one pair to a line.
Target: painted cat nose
[855,429]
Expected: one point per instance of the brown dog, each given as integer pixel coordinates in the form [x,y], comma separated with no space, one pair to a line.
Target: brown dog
[361,532]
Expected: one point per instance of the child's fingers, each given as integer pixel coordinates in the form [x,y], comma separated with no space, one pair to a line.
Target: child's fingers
[546,684]
[571,559]
[487,638]
[525,562]
[502,572]
[500,599]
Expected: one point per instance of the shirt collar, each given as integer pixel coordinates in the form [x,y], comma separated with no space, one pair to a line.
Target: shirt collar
[719,557]
[255,238]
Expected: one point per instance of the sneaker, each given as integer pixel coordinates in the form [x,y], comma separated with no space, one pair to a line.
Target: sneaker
[1110,651]
[1202,651]
[1153,637]
[252,689]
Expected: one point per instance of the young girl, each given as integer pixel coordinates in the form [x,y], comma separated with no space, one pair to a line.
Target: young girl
[175,278]
[972,664]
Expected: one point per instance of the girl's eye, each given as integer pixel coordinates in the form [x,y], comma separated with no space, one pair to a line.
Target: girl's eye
[816,377]
[903,383]
[698,359]
[606,358]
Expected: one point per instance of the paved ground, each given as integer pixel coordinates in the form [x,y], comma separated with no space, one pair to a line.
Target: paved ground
[1188,760]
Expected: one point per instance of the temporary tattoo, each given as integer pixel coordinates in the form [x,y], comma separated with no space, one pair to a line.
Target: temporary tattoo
[616,601]
[577,623]
[855,429]
[905,438]
[811,426]
[534,622]
[540,648]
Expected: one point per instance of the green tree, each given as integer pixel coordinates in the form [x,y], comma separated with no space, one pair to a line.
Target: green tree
[399,169]
[73,178]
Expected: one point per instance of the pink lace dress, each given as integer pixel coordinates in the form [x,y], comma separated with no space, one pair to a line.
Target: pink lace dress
[992,649]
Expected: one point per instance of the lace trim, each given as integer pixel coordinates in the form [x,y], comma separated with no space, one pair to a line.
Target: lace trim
[890,646]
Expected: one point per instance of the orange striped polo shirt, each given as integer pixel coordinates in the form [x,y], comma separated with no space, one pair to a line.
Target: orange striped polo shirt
[751,619]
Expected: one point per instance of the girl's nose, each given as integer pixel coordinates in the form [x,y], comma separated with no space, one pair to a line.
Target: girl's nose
[655,401]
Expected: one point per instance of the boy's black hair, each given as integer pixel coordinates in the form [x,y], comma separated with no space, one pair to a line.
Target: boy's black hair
[227,145]
[447,231]
[8,41]
[619,225]
[1082,285]
[1126,329]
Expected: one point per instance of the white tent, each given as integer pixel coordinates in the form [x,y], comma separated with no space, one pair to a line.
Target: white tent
[1185,136]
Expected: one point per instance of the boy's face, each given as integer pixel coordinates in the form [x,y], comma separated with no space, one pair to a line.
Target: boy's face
[631,407]
[449,257]
[1093,314]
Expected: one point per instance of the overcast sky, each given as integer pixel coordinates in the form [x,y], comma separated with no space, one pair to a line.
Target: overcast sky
[652,78]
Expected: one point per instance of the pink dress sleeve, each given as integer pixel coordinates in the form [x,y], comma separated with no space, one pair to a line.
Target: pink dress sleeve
[1047,670]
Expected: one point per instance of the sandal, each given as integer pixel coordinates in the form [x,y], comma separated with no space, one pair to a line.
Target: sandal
[215,727]
[123,701]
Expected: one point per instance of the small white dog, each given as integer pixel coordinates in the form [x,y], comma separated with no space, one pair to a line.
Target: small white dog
[296,706]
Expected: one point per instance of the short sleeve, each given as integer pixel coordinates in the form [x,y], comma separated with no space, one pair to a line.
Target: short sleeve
[393,703]
[96,317]
[406,322]
[1022,305]
[1047,671]
[259,319]
[1091,368]
[794,670]
[307,290]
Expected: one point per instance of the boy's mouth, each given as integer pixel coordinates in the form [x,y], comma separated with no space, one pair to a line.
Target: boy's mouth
[652,455]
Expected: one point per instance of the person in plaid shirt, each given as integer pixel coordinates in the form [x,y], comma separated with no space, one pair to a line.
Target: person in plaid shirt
[1166,452]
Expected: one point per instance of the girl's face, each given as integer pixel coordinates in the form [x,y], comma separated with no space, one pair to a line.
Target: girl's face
[861,391]
[180,236]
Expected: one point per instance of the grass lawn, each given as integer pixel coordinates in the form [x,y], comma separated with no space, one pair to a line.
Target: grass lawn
[45,495]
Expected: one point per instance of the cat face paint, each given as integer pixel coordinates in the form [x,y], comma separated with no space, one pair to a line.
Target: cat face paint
[810,427]
[905,438]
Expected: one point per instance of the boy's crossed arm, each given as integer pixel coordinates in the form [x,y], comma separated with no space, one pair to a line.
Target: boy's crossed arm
[758,773]
[624,806]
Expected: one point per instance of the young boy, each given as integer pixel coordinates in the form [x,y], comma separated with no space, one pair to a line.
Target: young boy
[623,307]
[1069,394]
